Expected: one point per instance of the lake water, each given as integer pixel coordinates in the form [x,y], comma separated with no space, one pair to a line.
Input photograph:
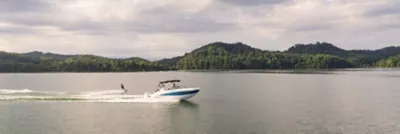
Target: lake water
[320,102]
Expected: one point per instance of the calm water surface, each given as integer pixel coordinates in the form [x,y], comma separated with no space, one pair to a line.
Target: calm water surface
[349,101]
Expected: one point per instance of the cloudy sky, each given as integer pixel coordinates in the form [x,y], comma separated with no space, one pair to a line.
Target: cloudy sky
[155,29]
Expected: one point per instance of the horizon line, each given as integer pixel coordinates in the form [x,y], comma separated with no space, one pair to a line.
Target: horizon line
[149,59]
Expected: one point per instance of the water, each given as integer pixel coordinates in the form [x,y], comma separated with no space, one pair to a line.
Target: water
[345,101]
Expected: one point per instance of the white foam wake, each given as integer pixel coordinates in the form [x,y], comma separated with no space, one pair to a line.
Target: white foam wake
[10,91]
[105,92]
[95,96]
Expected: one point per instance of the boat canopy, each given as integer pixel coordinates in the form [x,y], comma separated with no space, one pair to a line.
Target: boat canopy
[169,81]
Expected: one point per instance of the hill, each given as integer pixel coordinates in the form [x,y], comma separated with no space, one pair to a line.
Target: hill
[217,55]
[241,56]
[393,61]
[36,54]
[171,61]
[358,57]
[33,62]
[213,49]
[233,48]
[317,48]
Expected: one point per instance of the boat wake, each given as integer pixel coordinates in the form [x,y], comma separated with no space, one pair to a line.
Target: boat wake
[9,91]
[95,96]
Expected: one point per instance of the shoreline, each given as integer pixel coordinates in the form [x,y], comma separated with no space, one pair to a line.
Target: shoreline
[218,70]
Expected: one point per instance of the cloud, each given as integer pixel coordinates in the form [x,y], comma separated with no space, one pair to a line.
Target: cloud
[23,6]
[157,29]
[387,7]
[171,20]
[98,17]
[15,29]
[254,2]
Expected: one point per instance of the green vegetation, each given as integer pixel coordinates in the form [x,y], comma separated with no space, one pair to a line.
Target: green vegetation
[361,58]
[39,55]
[12,62]
[217,55]
[393,61]
[239,56]
[170,62]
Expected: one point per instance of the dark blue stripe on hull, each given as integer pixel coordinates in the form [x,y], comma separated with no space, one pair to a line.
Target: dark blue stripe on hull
[180,93]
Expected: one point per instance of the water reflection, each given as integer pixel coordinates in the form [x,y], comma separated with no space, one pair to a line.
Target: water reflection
[296,71]
[188,104]
[347,102]
[183,117]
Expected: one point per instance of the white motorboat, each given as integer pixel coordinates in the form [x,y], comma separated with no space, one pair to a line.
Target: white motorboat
[169,90]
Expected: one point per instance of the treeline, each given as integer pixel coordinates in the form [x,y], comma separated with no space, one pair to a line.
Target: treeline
[361,58]
[217,55]
[12,62]
[263,61]
[393,61]
[323,55]
[240,56]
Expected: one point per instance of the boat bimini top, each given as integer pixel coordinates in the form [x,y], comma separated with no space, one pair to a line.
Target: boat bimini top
[169,81]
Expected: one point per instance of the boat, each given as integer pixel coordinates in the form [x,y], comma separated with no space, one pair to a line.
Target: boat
[170,90]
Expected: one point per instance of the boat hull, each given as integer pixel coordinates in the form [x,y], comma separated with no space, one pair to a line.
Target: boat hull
[176,94]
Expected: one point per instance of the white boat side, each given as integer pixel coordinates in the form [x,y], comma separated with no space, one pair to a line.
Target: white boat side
[175,94]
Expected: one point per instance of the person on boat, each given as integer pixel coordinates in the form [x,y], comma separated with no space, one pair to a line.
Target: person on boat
[158,88]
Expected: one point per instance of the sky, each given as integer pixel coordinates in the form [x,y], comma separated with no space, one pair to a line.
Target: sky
[156,29]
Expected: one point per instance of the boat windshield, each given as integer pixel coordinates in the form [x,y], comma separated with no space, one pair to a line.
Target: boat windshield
[169,86]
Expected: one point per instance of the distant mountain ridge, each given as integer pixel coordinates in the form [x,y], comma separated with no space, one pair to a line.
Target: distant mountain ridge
[212,48]
[170,61]
[393,61]
[361,57]
[216,55]
[328,48]
[220,55]
[227,47]
[317,48]
[37,54]
[40,62]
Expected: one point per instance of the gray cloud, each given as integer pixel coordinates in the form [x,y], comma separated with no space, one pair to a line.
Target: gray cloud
[29,19]
[16,30]
[391,8]
[254,2]
[391,26]
[314,27]
[23,5]
[28,12]
[170,27]
[168,19]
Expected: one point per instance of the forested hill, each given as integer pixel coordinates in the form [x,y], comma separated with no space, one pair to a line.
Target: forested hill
[38,55]
[220,55]
[13,62]
[232,48]
[241,56]
[393,61]
[171,61]
[317,48]
[359,57]
[217,55]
